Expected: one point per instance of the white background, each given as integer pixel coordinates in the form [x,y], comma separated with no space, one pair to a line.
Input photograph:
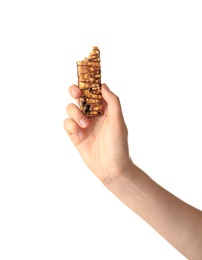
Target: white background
[51,206]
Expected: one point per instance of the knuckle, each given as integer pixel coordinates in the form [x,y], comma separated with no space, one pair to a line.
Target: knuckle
[66,124]
[69,126]
[69,108]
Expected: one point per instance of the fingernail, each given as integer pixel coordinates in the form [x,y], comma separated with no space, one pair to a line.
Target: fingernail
[80,135]
[75,93]
[83,122]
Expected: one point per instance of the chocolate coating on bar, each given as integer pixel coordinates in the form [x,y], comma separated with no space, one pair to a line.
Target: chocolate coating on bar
[89,82]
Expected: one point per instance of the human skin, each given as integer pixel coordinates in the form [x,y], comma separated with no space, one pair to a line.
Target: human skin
[103,145]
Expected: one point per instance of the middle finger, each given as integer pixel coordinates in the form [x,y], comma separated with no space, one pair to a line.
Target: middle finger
[75,113]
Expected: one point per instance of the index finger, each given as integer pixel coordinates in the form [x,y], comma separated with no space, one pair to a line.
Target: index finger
[74,91]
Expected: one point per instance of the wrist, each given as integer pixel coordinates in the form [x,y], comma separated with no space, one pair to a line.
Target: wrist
[134,188]
[122,177]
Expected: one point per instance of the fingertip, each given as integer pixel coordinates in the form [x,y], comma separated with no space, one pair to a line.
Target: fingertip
[105,87]
[74,91]
[84,122]
[112,100]
[105,91]
[81,134]
[107,94]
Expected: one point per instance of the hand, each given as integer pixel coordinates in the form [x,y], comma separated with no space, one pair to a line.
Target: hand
[103,145]
[101,141]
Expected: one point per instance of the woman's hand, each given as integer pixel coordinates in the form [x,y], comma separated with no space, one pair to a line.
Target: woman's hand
[101,141]
[103,145]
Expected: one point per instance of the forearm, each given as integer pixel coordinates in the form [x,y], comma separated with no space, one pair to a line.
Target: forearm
[179,223]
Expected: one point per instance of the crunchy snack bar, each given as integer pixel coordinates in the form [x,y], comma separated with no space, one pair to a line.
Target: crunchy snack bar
[89,82]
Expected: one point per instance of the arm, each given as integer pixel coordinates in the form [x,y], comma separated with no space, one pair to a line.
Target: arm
[179,223]
[103,145]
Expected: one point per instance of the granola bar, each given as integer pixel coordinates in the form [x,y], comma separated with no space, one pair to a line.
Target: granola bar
[89,82]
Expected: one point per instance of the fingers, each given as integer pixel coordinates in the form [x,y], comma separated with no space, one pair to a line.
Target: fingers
[113,102]
[74,131]
[75,92]
[74,113]
[75,123]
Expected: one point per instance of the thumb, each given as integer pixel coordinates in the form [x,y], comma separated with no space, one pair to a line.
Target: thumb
[113,102]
